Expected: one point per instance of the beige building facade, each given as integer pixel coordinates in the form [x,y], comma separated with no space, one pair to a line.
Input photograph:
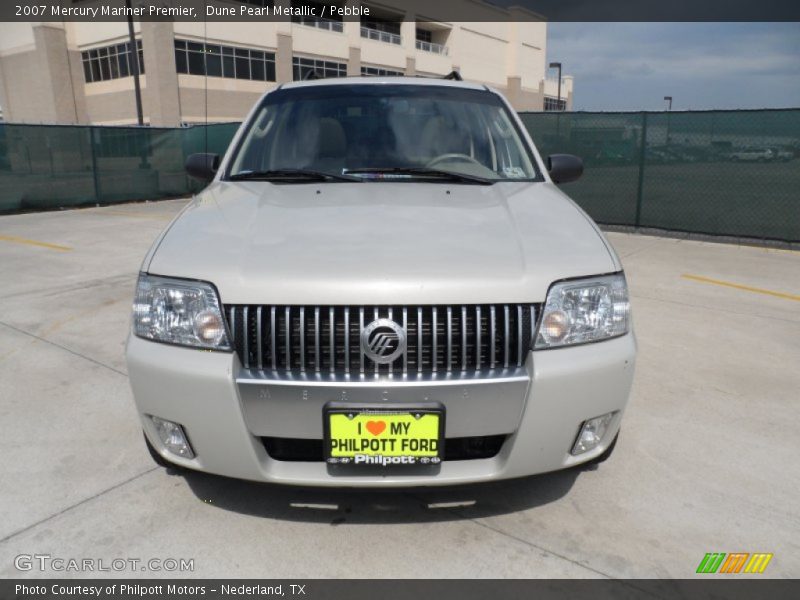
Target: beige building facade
[196,72]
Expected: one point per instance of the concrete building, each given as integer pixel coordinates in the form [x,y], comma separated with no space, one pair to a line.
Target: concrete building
[193,72]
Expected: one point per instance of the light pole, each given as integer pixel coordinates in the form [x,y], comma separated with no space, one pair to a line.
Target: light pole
[557,65]
[134,65]
[668,100]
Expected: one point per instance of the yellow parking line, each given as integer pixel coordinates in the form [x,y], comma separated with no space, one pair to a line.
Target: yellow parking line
[19,240]
[746,288]
[768,249]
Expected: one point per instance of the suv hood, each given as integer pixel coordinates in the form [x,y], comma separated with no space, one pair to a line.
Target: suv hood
[381,243]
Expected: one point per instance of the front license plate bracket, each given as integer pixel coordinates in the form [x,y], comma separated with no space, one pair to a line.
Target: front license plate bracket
[383,436]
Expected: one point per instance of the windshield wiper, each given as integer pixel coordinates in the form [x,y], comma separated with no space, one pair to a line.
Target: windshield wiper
[292,175]
[425,172]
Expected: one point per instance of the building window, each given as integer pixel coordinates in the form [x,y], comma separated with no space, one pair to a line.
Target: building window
[425,42]
[332,23]
[380,30]
[213,60]
[323,68]
[379,72]
[110,62]
[554,104]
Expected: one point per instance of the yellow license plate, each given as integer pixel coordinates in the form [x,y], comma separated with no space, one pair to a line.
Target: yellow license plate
[384,438]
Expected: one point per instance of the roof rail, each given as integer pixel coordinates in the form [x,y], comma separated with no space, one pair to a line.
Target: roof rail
[314,74]
[454,75]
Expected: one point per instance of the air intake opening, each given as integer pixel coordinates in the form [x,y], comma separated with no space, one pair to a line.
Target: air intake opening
[304,450]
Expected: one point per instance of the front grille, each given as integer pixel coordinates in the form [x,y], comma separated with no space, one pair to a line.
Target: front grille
[297,340]
[311,450]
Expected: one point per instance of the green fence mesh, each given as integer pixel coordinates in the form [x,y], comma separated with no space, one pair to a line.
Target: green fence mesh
[731,173]
[718,172]
[48,166]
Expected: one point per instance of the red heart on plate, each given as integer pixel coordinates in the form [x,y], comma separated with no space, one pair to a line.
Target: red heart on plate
[376,427]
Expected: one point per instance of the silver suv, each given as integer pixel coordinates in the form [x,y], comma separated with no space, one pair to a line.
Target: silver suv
[381,286]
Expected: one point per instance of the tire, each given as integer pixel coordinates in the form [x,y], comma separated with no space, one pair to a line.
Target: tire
[157,458]
[605,455]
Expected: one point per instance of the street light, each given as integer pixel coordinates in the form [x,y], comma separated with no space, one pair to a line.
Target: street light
[557,65]
[134,65]
[668,99]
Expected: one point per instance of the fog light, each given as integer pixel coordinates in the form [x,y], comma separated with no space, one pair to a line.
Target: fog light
[592,432]
[173,437]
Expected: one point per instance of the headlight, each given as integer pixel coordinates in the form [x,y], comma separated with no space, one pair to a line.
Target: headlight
[584,310]
[179,312]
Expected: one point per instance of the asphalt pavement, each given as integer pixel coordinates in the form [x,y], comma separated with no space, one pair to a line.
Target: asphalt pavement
[706,461]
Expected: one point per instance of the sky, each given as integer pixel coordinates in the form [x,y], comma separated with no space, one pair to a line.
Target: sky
[632,66]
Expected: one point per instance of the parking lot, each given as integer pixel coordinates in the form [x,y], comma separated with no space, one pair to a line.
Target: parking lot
[706,461]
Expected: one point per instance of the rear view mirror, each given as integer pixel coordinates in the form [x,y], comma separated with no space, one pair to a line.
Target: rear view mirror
[202,166]
[564,168]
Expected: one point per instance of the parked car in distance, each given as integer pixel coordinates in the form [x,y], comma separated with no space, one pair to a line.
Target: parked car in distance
[781,155]
[382,285]
[751,155]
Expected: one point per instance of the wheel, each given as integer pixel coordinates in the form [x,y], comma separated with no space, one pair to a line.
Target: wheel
[157,458]
[605,455]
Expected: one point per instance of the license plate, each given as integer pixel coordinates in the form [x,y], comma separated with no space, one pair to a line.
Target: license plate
[380,437]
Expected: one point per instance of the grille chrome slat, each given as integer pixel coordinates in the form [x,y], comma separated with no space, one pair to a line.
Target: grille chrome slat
[492,336]
[419,339]
[274,339]
[533,325]
[405,351]
[519,335]
[259,342]
[463,338]
[376,317]
[246,340]
[302,336]
[332,334]
[507,323]
[317,346]
[478,337]
[347,341]
[434,335]
[287,327]
[449,338]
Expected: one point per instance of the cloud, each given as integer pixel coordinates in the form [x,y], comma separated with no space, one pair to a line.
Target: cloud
[632,66]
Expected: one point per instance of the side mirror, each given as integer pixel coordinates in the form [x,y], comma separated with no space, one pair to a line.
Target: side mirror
[564,168]
[202,166]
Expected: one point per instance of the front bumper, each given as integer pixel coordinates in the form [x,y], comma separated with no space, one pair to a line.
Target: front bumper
[226,411]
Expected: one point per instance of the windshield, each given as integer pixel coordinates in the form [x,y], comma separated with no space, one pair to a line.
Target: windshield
[380,132]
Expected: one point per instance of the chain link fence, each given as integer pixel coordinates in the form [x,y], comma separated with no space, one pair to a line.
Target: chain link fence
[734,173]
[52,166]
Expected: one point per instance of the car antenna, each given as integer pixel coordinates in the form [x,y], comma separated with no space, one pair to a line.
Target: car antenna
[205,81]
[453,75]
